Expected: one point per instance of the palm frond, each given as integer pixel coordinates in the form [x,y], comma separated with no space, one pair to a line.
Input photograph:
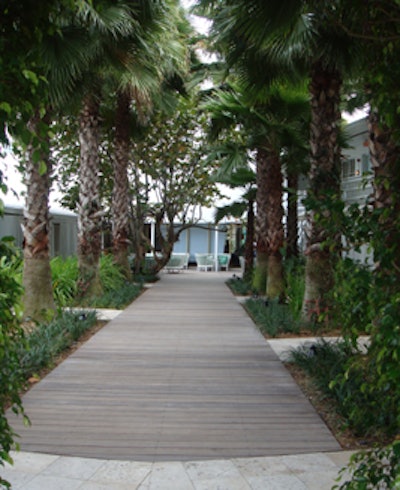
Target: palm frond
[231,156]
[236,209]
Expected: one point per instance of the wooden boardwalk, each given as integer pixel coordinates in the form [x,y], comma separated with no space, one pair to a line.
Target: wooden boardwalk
[181,374]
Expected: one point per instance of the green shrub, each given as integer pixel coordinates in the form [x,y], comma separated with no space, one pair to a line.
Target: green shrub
[110,275]
[295,285]
[351,297]
[377,468]
[11,338]
[65,279]
[117,292]
[350,377]
[323,361]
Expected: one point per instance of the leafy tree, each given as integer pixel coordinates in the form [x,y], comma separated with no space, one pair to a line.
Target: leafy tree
[172,163]
[11,337]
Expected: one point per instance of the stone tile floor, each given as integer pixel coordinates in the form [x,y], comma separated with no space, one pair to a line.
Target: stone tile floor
[33,471]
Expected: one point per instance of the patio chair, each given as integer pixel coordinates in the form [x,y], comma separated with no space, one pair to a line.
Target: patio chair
[205,262]
[223,261]
[177,263]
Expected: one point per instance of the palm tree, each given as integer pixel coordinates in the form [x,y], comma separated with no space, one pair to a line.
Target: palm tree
[120,197]
[153,58]
[57,58]
[107,30]
[89,206]
[268,131]
[61,53]
[38,292]
[297,37]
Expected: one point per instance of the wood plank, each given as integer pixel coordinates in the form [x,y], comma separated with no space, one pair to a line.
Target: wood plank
[181,374]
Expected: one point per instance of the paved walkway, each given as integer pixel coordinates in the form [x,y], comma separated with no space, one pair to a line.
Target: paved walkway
[178,391]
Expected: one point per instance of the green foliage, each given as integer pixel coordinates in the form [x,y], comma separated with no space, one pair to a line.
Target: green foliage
[47,341]
[350,378]
[322,361]
[272,317]
[11,337]
[352,292]
[377,468]
[295,285]
[65,276]
[110,275]
[325,361]
[117,292]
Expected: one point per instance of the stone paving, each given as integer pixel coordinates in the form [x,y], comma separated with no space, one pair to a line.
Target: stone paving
[33,471]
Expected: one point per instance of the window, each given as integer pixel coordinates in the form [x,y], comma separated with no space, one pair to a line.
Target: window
[348,168]
[57,238]
[365,163]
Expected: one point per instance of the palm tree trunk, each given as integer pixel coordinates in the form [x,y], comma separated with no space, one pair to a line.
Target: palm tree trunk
[260,272]
[324,178]
[38,291]
[120,199]
[275,233]
[249,245]
[386,184]
[89,209]
[292,248]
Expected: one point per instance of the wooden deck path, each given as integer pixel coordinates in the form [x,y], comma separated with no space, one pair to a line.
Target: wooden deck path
[181,374]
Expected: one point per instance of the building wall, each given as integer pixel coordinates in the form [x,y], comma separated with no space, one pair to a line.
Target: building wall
[200,238]
[63,229]
[355,181]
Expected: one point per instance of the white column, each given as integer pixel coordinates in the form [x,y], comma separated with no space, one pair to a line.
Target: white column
[216,238]
[153,234]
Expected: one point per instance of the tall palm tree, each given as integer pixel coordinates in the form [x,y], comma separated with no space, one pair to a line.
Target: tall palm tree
[120,196]
[267,126]
[38,292]
[153,58]
[107,31]
[89,205]
[57,57]
[297,36]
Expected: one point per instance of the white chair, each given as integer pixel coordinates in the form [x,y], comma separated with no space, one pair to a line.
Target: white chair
[205,262]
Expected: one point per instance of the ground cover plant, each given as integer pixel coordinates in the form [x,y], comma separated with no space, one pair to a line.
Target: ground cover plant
[46,341]
[278,317]
[272,317]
